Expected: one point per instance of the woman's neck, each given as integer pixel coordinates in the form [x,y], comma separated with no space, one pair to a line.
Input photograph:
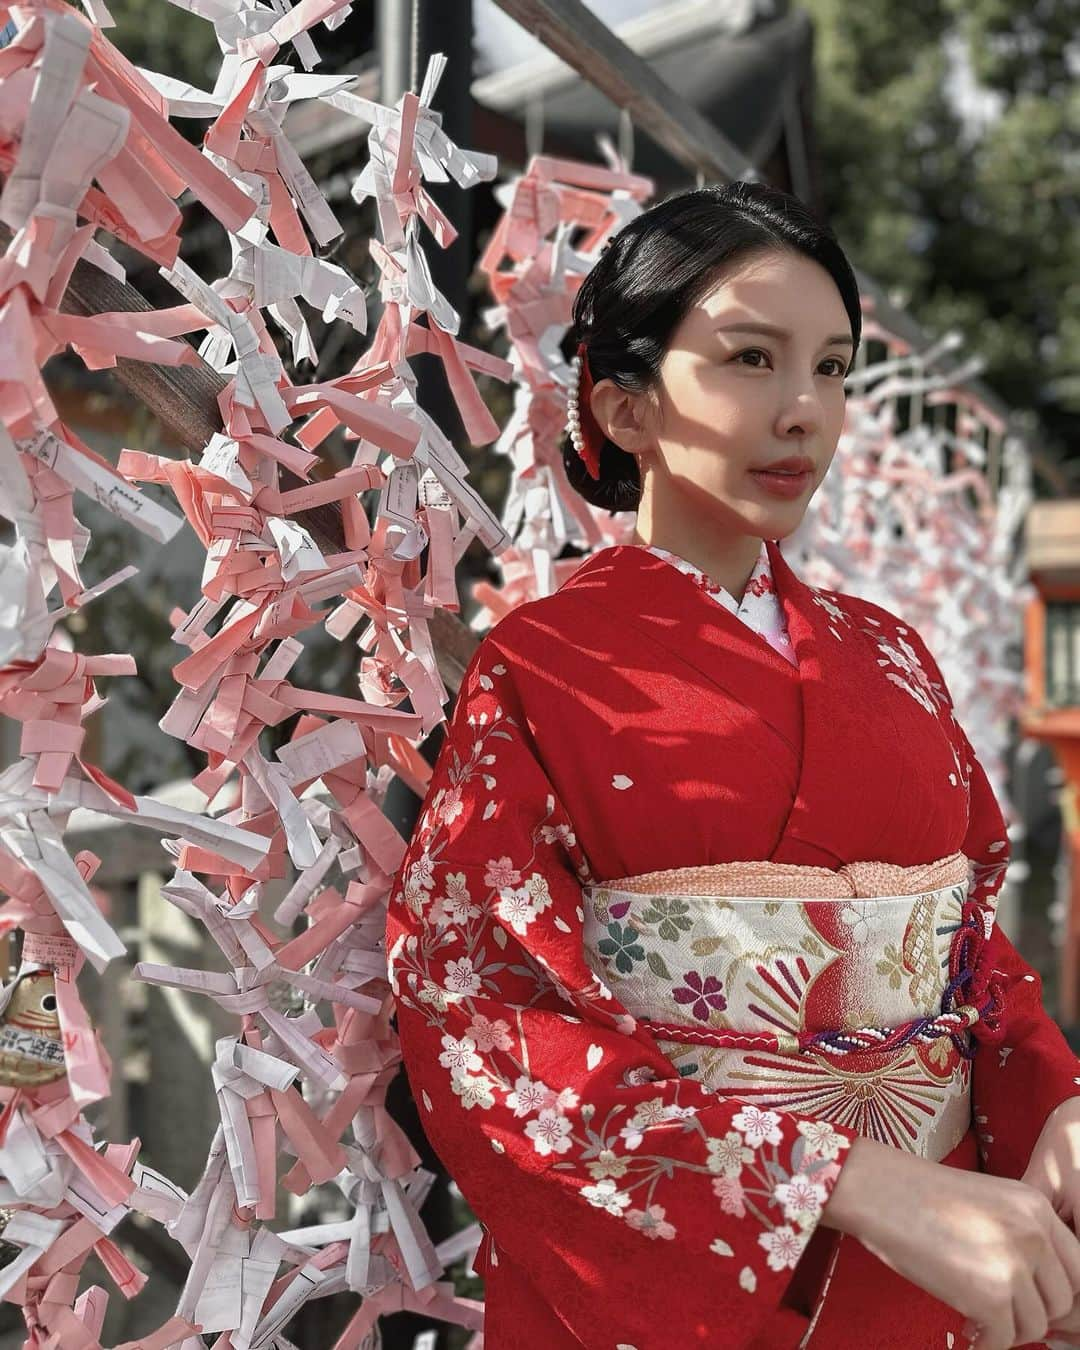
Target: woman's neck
[728,560]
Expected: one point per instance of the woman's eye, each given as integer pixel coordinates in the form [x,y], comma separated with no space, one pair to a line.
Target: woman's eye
[839,367]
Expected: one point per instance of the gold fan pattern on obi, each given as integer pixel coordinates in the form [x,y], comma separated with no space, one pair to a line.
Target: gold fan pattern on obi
[920,950]
[31,1041]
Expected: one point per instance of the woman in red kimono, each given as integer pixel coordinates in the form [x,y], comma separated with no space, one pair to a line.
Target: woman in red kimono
[700,992]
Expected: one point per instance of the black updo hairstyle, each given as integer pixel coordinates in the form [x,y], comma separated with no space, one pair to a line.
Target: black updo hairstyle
[652,273]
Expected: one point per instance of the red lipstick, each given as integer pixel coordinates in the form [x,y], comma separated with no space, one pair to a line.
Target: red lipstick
[787,478]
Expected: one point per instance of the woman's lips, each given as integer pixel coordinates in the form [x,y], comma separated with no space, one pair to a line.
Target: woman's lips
[786,485]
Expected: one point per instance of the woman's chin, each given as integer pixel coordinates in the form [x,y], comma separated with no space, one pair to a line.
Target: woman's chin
[777,519]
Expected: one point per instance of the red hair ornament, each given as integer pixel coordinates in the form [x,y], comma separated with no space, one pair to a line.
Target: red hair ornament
[585,434]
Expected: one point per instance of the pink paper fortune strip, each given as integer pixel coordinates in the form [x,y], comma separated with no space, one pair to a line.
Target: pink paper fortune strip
[73,110]
[534,272]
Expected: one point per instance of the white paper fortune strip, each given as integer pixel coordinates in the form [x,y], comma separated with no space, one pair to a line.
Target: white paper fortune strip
[305,1075]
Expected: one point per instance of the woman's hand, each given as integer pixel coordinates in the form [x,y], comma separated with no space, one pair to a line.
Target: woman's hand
[1054,1171]
[992,1248]
[1054,1166]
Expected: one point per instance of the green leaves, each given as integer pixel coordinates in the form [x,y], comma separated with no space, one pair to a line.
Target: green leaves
[946,131]
[657,966]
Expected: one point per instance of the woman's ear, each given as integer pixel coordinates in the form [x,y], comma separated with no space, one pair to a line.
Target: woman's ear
[622,415]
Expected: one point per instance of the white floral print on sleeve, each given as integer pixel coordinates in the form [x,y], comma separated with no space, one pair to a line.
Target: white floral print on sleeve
[548,1103]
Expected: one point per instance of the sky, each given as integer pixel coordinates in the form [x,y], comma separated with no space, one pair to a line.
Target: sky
[501,41]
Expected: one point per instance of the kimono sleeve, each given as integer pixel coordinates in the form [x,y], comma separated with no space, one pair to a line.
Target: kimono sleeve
[1017,1082]
[646,1210]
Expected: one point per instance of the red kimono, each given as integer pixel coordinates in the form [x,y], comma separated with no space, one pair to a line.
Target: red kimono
[627,725]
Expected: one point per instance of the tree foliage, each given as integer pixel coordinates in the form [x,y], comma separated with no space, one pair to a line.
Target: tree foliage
[163,37]
[975,222]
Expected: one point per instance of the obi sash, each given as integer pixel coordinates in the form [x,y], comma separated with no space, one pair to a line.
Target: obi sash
[849,995]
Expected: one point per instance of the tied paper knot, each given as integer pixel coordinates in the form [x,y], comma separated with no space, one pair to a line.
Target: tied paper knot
[972,983]
[247,992]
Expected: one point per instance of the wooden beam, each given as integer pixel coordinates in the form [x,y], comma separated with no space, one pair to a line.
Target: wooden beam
[182,398]
[599,56]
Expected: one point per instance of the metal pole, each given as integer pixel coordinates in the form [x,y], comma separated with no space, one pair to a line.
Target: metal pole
[393,36]
[447,27]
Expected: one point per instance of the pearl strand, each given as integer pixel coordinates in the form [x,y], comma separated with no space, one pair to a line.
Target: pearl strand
[573,421]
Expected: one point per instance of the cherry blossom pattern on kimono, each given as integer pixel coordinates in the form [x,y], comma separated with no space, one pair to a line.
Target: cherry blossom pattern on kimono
[1029,1060]
[636,1200]
[1032,1063]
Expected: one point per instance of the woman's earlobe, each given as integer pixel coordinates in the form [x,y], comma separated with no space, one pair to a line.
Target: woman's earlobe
[629,440]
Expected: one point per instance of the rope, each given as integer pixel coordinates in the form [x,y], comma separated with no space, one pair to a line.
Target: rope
[980,1013]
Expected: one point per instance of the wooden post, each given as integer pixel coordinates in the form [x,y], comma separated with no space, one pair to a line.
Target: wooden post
[1069,987]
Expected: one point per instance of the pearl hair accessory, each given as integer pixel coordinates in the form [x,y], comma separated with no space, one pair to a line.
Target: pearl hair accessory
[586,439]
[572,423]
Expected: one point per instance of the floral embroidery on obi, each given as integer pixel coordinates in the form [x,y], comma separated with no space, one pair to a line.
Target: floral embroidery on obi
[783,966]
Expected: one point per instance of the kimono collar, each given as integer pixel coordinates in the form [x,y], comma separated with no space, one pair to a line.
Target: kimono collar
[760,608]
[662,603]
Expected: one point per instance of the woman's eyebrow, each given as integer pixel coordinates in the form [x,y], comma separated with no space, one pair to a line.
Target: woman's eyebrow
[772,331]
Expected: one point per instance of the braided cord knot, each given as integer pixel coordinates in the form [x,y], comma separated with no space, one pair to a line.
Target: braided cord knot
[972,982]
